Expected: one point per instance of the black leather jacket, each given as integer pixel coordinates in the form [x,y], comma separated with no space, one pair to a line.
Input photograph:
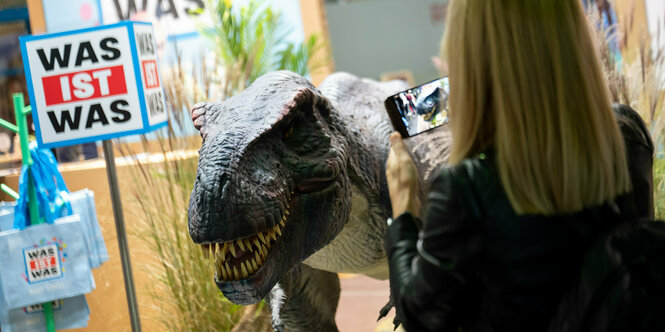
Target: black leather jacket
[477,264]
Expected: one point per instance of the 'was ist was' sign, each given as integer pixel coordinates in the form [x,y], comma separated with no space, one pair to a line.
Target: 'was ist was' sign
[93,84]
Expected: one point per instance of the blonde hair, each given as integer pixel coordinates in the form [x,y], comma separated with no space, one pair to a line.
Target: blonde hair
[525,79]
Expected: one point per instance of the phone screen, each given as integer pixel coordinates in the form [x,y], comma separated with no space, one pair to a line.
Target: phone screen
[420,108]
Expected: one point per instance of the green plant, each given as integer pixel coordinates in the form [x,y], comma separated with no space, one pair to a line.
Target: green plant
[249,41]
[298,58]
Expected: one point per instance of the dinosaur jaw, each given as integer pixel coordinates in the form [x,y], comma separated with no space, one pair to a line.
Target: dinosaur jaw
[238,259]
[247,268]
[242,265]
[241,258]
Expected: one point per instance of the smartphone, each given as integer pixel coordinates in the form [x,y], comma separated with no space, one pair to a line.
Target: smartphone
[419,109]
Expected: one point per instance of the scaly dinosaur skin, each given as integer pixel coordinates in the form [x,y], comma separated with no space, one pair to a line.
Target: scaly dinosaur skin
[313,160]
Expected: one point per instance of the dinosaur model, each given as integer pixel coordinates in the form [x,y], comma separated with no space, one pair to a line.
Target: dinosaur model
[291,190]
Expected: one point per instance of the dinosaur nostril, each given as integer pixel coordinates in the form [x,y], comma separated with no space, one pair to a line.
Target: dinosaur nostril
[223,180]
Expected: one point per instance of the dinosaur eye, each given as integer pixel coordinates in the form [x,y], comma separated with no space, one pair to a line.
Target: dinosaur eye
[289,132]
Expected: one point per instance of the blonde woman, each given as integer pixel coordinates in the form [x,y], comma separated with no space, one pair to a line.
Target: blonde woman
[538,166]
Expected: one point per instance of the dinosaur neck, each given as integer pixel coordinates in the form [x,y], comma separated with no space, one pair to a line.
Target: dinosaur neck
[363,133]
[359,119]
[358,248]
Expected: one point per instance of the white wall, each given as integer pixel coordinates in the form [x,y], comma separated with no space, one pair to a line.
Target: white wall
[171,20]
[656,19]
[372,37]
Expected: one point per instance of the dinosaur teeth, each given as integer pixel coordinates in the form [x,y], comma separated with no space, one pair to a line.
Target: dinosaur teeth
[250,268]
[262,237]
[221,272]
[236,275]
[245,274]
[225,275]
[231,268]
[243,270]
[254,265]
[224,250]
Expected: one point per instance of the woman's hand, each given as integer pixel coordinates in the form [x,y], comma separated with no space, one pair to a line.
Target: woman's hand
[402,178]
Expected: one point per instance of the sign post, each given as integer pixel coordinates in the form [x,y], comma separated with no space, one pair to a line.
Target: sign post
[123,246]
[96,84]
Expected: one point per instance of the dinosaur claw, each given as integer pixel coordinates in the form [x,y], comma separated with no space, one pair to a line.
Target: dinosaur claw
[397,321]
[385,310]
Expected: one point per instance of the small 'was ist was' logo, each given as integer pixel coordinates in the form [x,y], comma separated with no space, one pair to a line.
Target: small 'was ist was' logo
[42,262]
[37,308]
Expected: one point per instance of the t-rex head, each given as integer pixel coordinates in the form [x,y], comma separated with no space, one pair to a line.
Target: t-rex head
[271,186]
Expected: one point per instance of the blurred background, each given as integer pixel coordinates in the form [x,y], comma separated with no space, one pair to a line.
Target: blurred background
[208,51]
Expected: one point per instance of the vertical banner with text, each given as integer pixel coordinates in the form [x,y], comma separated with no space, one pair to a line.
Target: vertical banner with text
[151,81]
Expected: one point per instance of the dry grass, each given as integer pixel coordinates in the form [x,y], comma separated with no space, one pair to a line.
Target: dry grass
[183,292]
[639,84]
[185,295]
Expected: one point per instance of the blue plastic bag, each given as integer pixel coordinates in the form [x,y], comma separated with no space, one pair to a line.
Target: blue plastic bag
[69,313]
[49,261]
[50,189]
[44,263]
[102,252]
[83,204]
[7,215]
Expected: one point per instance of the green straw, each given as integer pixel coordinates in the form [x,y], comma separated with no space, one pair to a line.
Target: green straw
[22,126]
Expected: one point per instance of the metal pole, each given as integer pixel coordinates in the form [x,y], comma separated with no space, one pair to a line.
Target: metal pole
[122,237]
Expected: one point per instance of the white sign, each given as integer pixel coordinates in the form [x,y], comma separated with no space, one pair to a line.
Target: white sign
[151,82]
[173,17]
[93,84]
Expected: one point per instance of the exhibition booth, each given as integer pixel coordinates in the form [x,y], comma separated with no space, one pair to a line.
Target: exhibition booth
[121,66]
